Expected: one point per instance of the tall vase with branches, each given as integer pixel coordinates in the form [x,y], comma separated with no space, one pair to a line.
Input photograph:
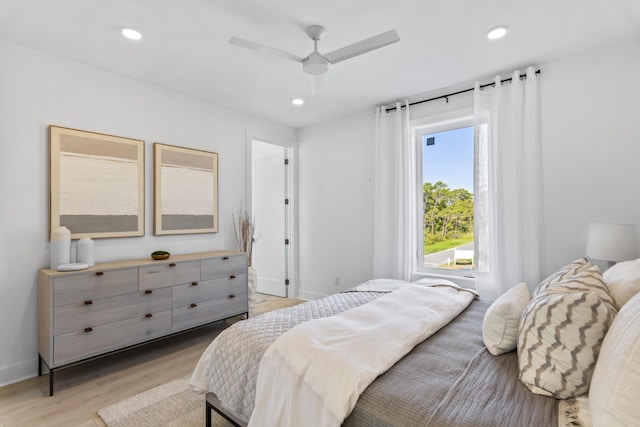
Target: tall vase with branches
[244,229]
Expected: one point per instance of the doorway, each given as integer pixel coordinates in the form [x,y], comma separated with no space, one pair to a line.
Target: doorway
[270,202]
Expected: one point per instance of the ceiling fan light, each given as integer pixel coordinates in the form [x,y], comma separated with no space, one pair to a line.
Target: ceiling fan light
[315,64]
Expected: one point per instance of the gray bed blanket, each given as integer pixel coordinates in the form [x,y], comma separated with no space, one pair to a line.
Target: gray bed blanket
[229,366]
[451,380]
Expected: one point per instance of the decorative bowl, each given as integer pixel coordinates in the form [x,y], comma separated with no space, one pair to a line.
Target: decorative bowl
[158,255]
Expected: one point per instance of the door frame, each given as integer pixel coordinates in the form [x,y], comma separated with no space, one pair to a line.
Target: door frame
[292,185]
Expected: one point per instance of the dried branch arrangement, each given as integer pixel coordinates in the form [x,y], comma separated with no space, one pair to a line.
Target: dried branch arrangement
[244,229]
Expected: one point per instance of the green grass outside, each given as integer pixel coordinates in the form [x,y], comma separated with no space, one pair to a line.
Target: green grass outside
[448,244]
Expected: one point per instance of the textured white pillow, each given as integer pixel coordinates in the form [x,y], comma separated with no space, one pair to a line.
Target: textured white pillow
[623,281]
[615,386]
[500,325]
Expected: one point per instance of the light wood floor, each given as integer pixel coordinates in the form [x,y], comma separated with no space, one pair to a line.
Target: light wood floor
[80,391]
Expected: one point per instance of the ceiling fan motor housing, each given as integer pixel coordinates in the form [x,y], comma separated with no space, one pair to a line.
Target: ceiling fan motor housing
[315,32]
[315,64]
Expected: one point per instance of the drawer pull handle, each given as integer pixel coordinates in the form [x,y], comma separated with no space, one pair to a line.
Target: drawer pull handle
[148,315]
[99,273]
[194,305]
[173,264]
[224,258]
[87,330]
[88,302]
[232,277]
[148,291]
[194,283]
[232,296]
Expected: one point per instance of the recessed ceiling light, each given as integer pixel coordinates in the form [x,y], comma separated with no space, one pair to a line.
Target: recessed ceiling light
[131,34]
[297,101]
[497,33]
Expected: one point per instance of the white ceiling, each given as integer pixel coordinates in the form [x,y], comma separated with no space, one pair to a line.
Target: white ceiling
[442,43]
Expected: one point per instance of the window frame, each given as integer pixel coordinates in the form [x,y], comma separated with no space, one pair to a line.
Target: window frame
[424,126]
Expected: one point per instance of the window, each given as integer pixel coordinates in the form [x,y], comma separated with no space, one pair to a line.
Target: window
[446,187]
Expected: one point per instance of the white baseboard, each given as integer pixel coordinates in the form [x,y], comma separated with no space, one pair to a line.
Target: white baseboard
[18,372]
[308,295]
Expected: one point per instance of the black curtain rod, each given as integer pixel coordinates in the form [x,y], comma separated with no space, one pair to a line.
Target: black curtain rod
[522,76]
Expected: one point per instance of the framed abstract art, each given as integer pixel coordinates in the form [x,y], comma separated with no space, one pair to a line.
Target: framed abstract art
[96,183]
[185,190]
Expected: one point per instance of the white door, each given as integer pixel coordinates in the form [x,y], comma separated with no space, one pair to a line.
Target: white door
[269,212]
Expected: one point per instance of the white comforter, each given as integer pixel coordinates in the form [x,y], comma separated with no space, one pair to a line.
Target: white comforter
[314,373]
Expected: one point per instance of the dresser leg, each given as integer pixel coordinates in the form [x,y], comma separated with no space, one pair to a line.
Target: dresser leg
[40,361]
[50,382]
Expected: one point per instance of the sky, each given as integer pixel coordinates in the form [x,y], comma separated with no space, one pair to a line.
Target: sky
[450,159]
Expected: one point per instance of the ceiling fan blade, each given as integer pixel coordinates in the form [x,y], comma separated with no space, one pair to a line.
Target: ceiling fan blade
[363,46]
[261,48]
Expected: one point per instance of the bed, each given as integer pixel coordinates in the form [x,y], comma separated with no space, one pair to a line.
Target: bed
[448,379]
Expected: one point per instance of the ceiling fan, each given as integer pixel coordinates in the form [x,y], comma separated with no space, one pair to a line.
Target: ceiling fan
[316,63]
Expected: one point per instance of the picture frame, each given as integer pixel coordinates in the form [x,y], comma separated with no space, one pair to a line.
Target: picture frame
[96,183]
[185,190]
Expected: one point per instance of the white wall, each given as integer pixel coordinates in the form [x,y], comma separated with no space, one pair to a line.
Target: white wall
[37,90]
[335,194]
[591,147]
[591,151]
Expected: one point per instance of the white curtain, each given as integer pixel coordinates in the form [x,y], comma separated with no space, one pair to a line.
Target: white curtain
[396,198]
[508,195]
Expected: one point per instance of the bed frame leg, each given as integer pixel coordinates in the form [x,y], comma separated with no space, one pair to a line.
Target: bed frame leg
[209,408]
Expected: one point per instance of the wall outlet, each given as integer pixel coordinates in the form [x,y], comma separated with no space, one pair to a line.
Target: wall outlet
[336,281]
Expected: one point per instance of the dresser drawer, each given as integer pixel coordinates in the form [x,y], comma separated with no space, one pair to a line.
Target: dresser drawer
[94,285]
[169,274]
[209,289]
[90,313]
[224,266]
[200,313]
[100,339]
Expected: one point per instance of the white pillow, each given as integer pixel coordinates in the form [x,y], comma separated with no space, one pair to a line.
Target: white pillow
[623,281]
[435,281]
[615,386]
[500,325]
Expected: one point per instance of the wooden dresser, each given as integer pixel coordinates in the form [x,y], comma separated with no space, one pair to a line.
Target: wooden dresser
[111,306]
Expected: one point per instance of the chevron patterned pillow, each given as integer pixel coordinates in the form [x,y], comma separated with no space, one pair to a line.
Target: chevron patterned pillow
[565,272]
[584,281]
[559,339]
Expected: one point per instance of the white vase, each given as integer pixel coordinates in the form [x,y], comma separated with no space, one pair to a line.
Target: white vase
[84,252]
[252,281]
[60,248]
